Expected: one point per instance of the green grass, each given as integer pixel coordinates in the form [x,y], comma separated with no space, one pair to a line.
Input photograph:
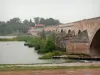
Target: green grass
[49,55]
[21,68]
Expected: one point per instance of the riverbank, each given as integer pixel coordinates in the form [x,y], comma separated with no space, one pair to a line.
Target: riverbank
[88,65]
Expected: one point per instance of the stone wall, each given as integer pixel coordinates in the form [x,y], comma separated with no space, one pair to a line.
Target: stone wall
[77,47]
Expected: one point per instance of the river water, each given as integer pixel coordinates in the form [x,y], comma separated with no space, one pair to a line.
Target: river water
[14,52]
[7,37]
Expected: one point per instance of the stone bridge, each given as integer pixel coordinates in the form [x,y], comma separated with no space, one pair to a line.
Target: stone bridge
[92,26]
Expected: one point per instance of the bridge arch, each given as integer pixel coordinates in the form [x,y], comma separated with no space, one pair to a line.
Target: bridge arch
[95,43]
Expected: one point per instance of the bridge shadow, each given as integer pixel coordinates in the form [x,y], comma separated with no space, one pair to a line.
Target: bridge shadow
[95,44]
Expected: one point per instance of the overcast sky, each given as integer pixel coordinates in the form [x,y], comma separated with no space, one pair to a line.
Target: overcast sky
[63,10]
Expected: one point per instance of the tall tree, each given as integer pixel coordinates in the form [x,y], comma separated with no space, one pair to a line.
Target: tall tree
[37,20]
[42,21]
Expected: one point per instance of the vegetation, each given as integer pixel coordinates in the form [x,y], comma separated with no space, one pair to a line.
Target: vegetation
[49,55]
[20,68]
[24,38]
[15,26]
[42,44]
[48,21]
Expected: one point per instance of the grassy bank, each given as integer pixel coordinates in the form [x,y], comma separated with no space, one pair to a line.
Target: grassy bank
[19,68]
[49,55]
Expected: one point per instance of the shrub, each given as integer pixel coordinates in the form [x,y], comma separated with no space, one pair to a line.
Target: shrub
[50,46]
[49,55]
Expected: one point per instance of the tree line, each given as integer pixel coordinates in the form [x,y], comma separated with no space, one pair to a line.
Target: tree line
[15,25]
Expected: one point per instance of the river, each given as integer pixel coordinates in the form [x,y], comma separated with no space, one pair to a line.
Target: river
[14,52]
[7,37]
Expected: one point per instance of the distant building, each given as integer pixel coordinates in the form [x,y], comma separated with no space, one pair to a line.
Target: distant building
[50,28]
[40,27]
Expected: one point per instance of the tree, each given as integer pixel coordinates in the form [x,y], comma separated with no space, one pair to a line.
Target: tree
[47,22]
[51,21]
[2,22]
[15,25]
[37,20]
[42,21]
[30,21]
[57,22]
[15,20]
[26,22]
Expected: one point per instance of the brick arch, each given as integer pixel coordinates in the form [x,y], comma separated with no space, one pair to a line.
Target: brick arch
[92,32]
[95,42]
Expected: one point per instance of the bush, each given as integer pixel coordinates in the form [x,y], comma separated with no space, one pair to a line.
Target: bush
[57,53]
[49,55]
[37,47]
[50,46]
[42,45]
